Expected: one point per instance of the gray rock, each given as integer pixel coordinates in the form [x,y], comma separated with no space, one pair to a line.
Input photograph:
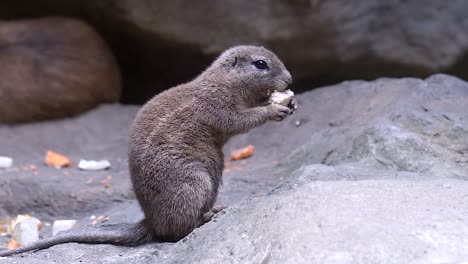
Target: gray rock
[348,37]
[162,43]
[376,173]
[402,125]
[366,221]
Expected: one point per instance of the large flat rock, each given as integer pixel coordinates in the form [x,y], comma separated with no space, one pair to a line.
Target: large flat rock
[363,172]
[369,221]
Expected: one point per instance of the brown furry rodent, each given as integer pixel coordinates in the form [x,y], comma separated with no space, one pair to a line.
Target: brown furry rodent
[53,67]
[175,153]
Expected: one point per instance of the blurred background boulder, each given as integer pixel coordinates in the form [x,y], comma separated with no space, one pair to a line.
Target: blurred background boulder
[53,67]
[162,43]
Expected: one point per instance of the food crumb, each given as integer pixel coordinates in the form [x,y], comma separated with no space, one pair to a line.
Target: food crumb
[243,153]
[57,160]
[13,244]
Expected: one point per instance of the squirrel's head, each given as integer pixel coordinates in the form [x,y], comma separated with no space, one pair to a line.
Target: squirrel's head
[253,71]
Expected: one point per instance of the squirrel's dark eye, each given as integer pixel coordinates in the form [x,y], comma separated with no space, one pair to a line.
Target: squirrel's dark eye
[260,64]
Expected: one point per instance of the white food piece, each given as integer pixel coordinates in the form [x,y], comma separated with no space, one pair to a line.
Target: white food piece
[20,218]
[94,165]
[26,231]
[282,98]
[5,162]
[62,225]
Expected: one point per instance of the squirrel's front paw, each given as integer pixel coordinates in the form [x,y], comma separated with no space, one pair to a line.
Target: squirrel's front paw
[278,112]
[292,105]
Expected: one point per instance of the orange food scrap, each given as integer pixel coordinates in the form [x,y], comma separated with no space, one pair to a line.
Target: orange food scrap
[227,170]
[13,244]
[239,168]
[227,164]
[243,153]
[104,183]
[56,160]
[94,222]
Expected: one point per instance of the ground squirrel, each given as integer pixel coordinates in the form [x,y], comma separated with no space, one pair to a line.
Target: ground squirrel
[175,151]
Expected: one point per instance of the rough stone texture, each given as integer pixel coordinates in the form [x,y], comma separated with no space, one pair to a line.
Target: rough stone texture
[376,172]
[404,33]
[63,193]
[368,221]
[52,68]
[162,43]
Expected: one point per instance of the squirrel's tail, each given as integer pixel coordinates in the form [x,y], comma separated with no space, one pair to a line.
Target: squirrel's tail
[121,234]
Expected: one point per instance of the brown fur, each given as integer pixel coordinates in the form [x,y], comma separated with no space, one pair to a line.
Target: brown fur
[175,152]
[53,67]
[176,158]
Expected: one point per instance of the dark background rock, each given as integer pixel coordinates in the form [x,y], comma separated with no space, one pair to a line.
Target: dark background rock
[163,43]
[52,68]
[376,172]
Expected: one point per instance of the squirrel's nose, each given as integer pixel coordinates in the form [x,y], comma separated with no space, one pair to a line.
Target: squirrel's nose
[288,77]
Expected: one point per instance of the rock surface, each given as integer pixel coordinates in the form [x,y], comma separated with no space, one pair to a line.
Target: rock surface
[162,43]
[334,33]
[52,68]
[376,172]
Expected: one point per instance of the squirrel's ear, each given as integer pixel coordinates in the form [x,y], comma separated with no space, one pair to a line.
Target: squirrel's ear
[235,61]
